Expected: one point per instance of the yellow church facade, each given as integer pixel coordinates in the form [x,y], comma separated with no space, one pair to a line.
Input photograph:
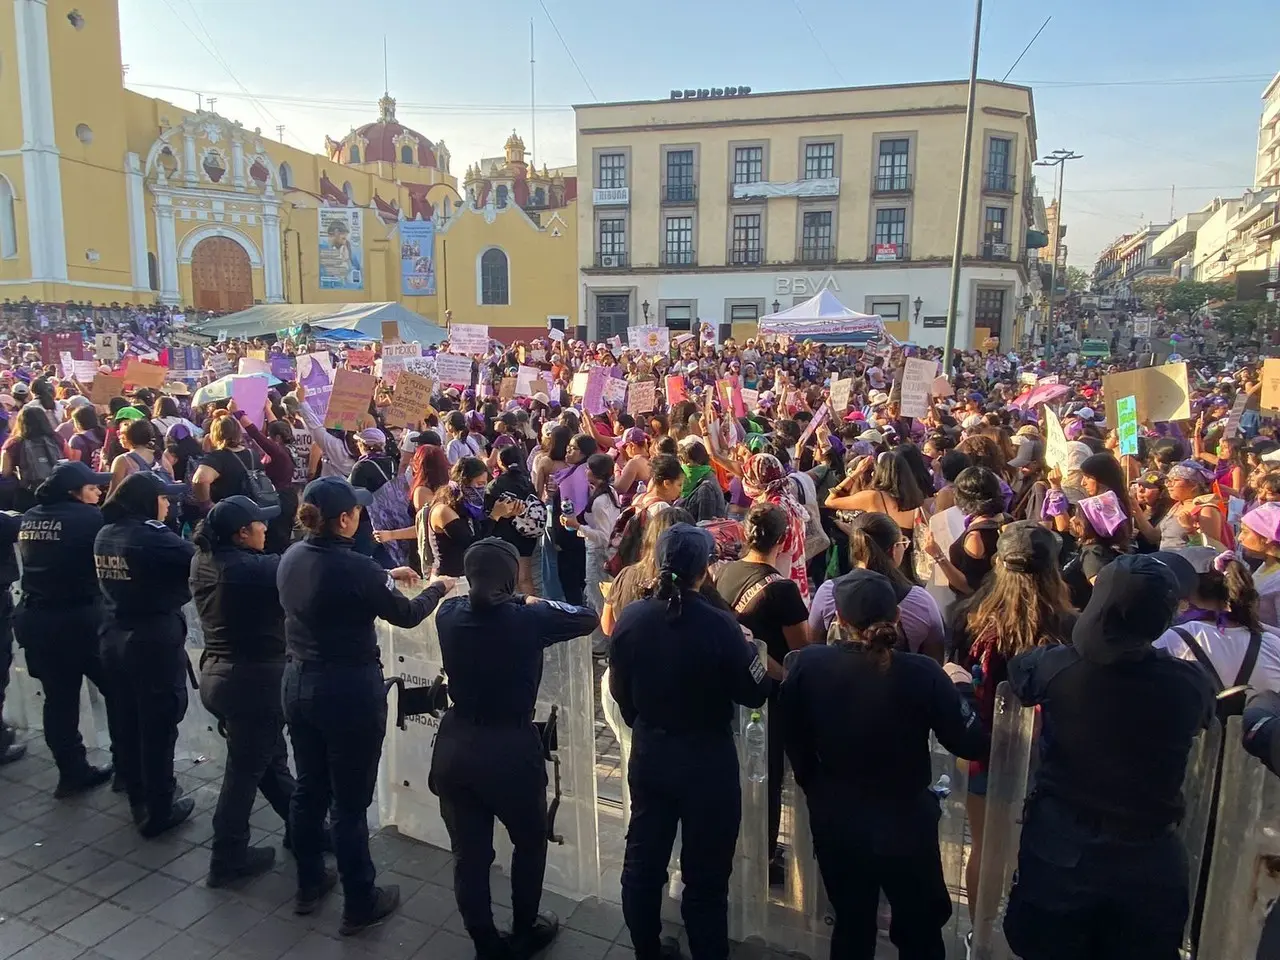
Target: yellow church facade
[110,196]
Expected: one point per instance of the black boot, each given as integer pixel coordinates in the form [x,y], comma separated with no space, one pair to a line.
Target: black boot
[81,782]
[176,814]
[536,938]
[385,901]
[306,901]
[254,861]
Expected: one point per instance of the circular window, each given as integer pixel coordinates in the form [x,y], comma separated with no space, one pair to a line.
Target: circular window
[84,134]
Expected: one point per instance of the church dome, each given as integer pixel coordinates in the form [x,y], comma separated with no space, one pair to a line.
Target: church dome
[386,140]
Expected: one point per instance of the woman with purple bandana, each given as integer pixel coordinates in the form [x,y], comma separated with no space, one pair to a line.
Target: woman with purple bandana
[1260,543]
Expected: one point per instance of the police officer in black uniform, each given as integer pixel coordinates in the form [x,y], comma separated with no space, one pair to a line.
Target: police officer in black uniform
[488,761]
[857,716]
[59,617]
[679,664]
[10,748]
[334,700]
[1101,870]
[143,568]
[233,583]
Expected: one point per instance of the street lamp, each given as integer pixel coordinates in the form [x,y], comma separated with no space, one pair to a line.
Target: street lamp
[1057,159]
[918,304]
[776,306]
[645,307]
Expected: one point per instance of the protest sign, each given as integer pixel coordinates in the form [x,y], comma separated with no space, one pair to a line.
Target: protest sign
[675,390]
[642,397]
[1271,384]
[1233,418]
[253,365]
[65,360]
[593,396]
[1055,449]
[360,358]
[578,387]
[942,387]
[410,401]
[557,335]
[650,339]
[221,366]
[469,338]
[143,374]
[750,398]
[250,395]
[349,402]
[283,368]
[917,382]
[1028,377]
[105,387]
[537,355]
[451,368]
[507,389]
[315,373]
[390,331]
[84,370]
[548,387]
[1127,426]
[395,357]
[819,418]
[260,354]
[525,377]
[840,395]
[615,390]
[1161,392]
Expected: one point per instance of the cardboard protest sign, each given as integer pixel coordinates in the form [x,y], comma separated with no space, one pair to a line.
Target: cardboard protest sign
[451,368]
[547,386]
[1127,425]
[259,354]
[917,383]
[507,389]
[410,401]
[360,358]
[1233,418]
[1271,384]
[1161,392]
[840,390]
[390,331]
[675,390]
[642,397]
[104,387]
[750,398]
[1055,442]
[397,356]
[942,387]
[349,401]
[578,387]
[615,390]
[468,338]
[143,374]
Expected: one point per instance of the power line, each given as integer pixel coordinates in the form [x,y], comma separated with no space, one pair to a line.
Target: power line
[338,103]
[564,44]
[1165,82]
[808,26]
[1025,49]
[1162,188]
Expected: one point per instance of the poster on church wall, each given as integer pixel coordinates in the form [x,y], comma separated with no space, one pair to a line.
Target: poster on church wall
[417,258]
[341,248]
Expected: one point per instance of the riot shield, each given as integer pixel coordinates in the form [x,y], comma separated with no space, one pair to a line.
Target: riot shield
[198,738]
[952,839]
[1244,869]
[1198,792]
[1007,776]
[565,704]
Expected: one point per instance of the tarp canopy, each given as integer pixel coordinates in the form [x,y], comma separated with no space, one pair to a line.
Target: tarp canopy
[823,317]
[364,318]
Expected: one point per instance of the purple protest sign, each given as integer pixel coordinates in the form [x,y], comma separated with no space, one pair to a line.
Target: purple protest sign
[283,368]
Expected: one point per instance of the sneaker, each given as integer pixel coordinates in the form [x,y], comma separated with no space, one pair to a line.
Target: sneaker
[256,860]
[307,901]
[385,901]
[536,938]
[82,782]
[177,813]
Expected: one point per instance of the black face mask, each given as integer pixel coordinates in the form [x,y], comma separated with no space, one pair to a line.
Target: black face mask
[491,566]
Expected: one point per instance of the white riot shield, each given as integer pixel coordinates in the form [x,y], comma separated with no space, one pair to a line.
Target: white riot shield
[1198,792]
[404,801]
[952,840]
[1007,776]
[1244,870]
[198,737]
[749,882]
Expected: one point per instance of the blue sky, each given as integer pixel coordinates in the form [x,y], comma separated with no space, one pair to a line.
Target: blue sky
[461,73]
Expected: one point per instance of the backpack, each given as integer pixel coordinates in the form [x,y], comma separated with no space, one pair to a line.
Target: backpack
[36,459]
[816,540]
[1230,702]
[390,509]
[255,484]
[624,540]
[158,468]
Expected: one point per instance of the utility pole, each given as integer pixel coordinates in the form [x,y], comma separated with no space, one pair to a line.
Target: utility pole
[280,131]
[212,101]
[1057,159]
[533,115]
[966,156]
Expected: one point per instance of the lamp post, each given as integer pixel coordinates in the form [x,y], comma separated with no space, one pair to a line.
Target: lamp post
[776,306]
[645,307]
[1057,159]
[918,304]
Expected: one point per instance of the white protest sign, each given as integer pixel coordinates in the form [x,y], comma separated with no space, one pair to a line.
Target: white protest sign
[395,357]
[525,376]
[1055,442]
[451,368]
[917,384]
[839,395]
[615,390]
[649,339]
[468,338]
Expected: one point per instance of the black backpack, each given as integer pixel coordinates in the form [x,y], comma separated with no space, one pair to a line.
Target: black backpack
[37,457]
[1230,699]
[257,486]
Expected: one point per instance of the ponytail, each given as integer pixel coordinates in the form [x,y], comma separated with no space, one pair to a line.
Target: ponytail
[877,640]
[669,587]
[203,537]
[1242,595]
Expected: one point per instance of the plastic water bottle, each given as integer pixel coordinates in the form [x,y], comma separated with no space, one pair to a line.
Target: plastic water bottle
[942,789]
[757,750]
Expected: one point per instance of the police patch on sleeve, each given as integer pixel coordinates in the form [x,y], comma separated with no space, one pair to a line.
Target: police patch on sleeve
[757,668]
[157,524]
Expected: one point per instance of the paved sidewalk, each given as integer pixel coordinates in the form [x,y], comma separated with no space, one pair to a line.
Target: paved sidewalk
[76,880]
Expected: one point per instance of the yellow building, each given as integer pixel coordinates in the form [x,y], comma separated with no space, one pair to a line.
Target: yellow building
[110,196]
[724,204]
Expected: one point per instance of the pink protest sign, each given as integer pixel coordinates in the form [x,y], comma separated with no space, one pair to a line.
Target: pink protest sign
[593,396]
[675,390]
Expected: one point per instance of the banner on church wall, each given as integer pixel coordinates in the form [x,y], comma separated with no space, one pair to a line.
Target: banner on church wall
[417,258]
[341,248]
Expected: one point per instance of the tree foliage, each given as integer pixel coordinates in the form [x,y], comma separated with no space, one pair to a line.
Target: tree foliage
[1190,295]
[1077,280]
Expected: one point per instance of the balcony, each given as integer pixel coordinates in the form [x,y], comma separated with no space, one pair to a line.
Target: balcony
[891,183]
[611,196]
[750,256]
[679,194]
[997,251]
[611,261]
[816,253]
[678,257]
[889,252]
[998,182]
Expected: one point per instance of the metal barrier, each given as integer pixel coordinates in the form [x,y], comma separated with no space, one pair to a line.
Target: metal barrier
[1244,872]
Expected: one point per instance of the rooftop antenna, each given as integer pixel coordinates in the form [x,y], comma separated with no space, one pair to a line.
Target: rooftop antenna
[533,122]
[386,82]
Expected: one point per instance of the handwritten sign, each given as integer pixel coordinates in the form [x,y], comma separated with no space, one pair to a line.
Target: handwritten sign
[642,397]
[578,388]
[1161,392]
[410,401]
[1271,384]
[840,390]
[750,399]
[507,389]
[917,382]
[259,354]
[525,378]
[1055,442]
[451,368]
[84,370]
[593,396]
[1233,418]
[1127,425]
[942,387]
[360,358]
[104,388]
[615,391]
[349,401]
[396,357]
[469,338]
[143,374]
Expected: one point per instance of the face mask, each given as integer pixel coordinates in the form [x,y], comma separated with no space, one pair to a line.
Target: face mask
[473,501]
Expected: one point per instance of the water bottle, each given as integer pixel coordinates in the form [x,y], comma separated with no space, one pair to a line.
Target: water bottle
[757,750]
[942,789]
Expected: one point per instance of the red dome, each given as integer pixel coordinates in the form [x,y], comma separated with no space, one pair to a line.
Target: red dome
[381,138]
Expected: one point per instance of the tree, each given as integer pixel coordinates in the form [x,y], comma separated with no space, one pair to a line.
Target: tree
[1190,295]
[1077,280]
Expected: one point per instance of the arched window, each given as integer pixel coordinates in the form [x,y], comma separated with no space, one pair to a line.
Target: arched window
[406,154]
[354,154]
[153,271]
[539,197]
[8,221]
[502,196]
[494,288]
[286,175]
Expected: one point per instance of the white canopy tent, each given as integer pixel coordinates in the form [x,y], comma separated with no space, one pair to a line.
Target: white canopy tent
[823,317]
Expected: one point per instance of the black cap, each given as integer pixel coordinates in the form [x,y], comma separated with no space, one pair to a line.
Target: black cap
[73,475]
[864,597]
[685,550]
[236,513]
[1133,602]
[164,489]
[1026,547]
[1151,479]
[334,496]
[1184,570]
